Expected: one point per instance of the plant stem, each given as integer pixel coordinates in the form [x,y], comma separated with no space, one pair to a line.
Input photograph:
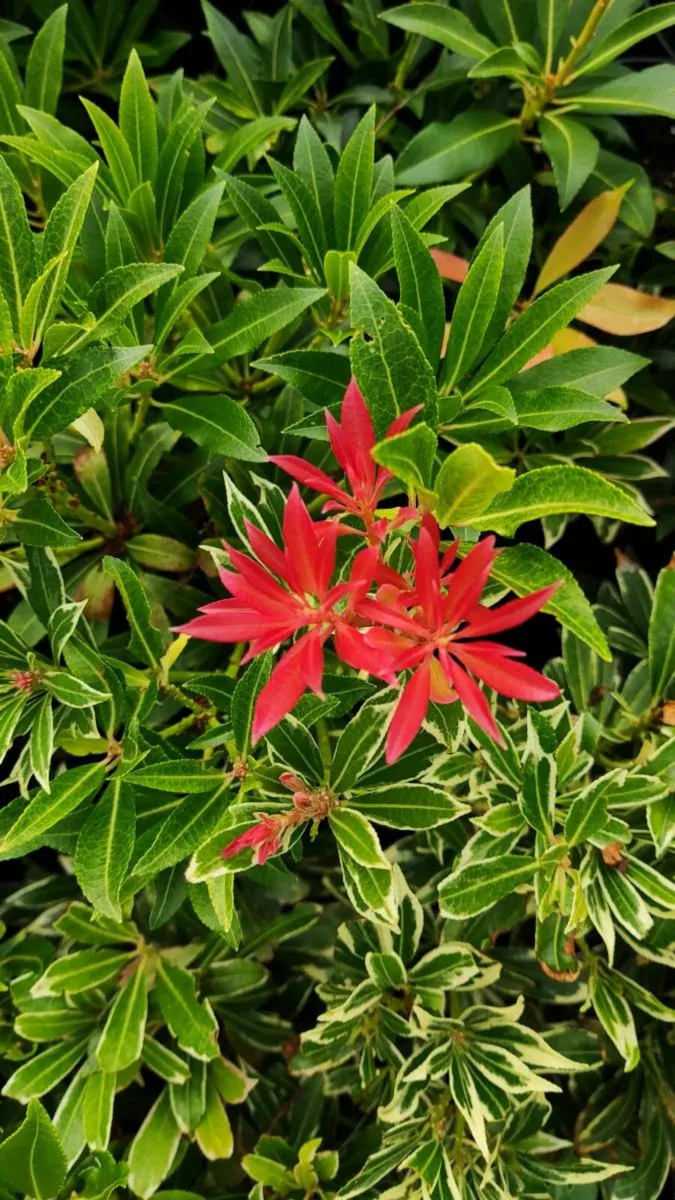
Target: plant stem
[409,52]
[597,12]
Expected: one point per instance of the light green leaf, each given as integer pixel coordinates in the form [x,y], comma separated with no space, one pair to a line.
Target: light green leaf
[409,456]
[104,848]
[191,1021]
[146,641]
[357,837]
[138,119]
[467,483]
[636,93]
[475,888]
[32,1160]
[536,326]
[97,1109]
[408,806]
[44,809]
[17,255]
[473,310]
[354,182]
[44,68]
[121,1041]
[153,1149]
[43,1072]
[87,380]
[74,692]
[557,408]
[546,491]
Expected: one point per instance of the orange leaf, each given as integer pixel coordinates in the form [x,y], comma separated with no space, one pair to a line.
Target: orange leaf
[580,238]
[450,266]
[624,311]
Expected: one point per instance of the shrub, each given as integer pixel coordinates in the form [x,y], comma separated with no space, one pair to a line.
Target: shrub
[334,869]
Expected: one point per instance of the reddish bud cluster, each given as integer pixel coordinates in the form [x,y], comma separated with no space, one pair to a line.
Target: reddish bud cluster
[267,836]
[380,621]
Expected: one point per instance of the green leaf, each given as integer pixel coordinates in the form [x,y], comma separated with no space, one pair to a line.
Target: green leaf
[536,326]
[38,524]
[639,26]
[249,139]
[552,16]
[44,809]
[74,692]
[409,455]
[63,622]
[442,24]
[172,164]
[268,1172]
[616,1018]
[515,220]
[32,1161]
[252,321]
[164,1062]
[306,214]
[312,163]
[117,151]
[81,971]
[408,806]
[97,1109]
[321,375]
[595,369]
[588,811]
[42,742]
[473,310]
[564,489]
[357,837]
[138,119]
[354,182]
[244,697]
[114,296]
[475,888]
[390,367]
[294,747]
[44,68]
[153,1149]
[88,380]
[177,776]
[573,151]
[146,641]
[635,93]
[187,827]
[17,255]
[467,483]
[662,634]
[191,1021]
[43,1072]
[445,152]
[526,568]
[237,54]
[421,292]
[104,848]
[121,1041]
[360,742]
[557,408]
[218,423]
[214,1133]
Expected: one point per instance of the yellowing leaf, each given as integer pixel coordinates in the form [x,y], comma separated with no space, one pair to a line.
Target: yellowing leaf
[624,311]
[580,238]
